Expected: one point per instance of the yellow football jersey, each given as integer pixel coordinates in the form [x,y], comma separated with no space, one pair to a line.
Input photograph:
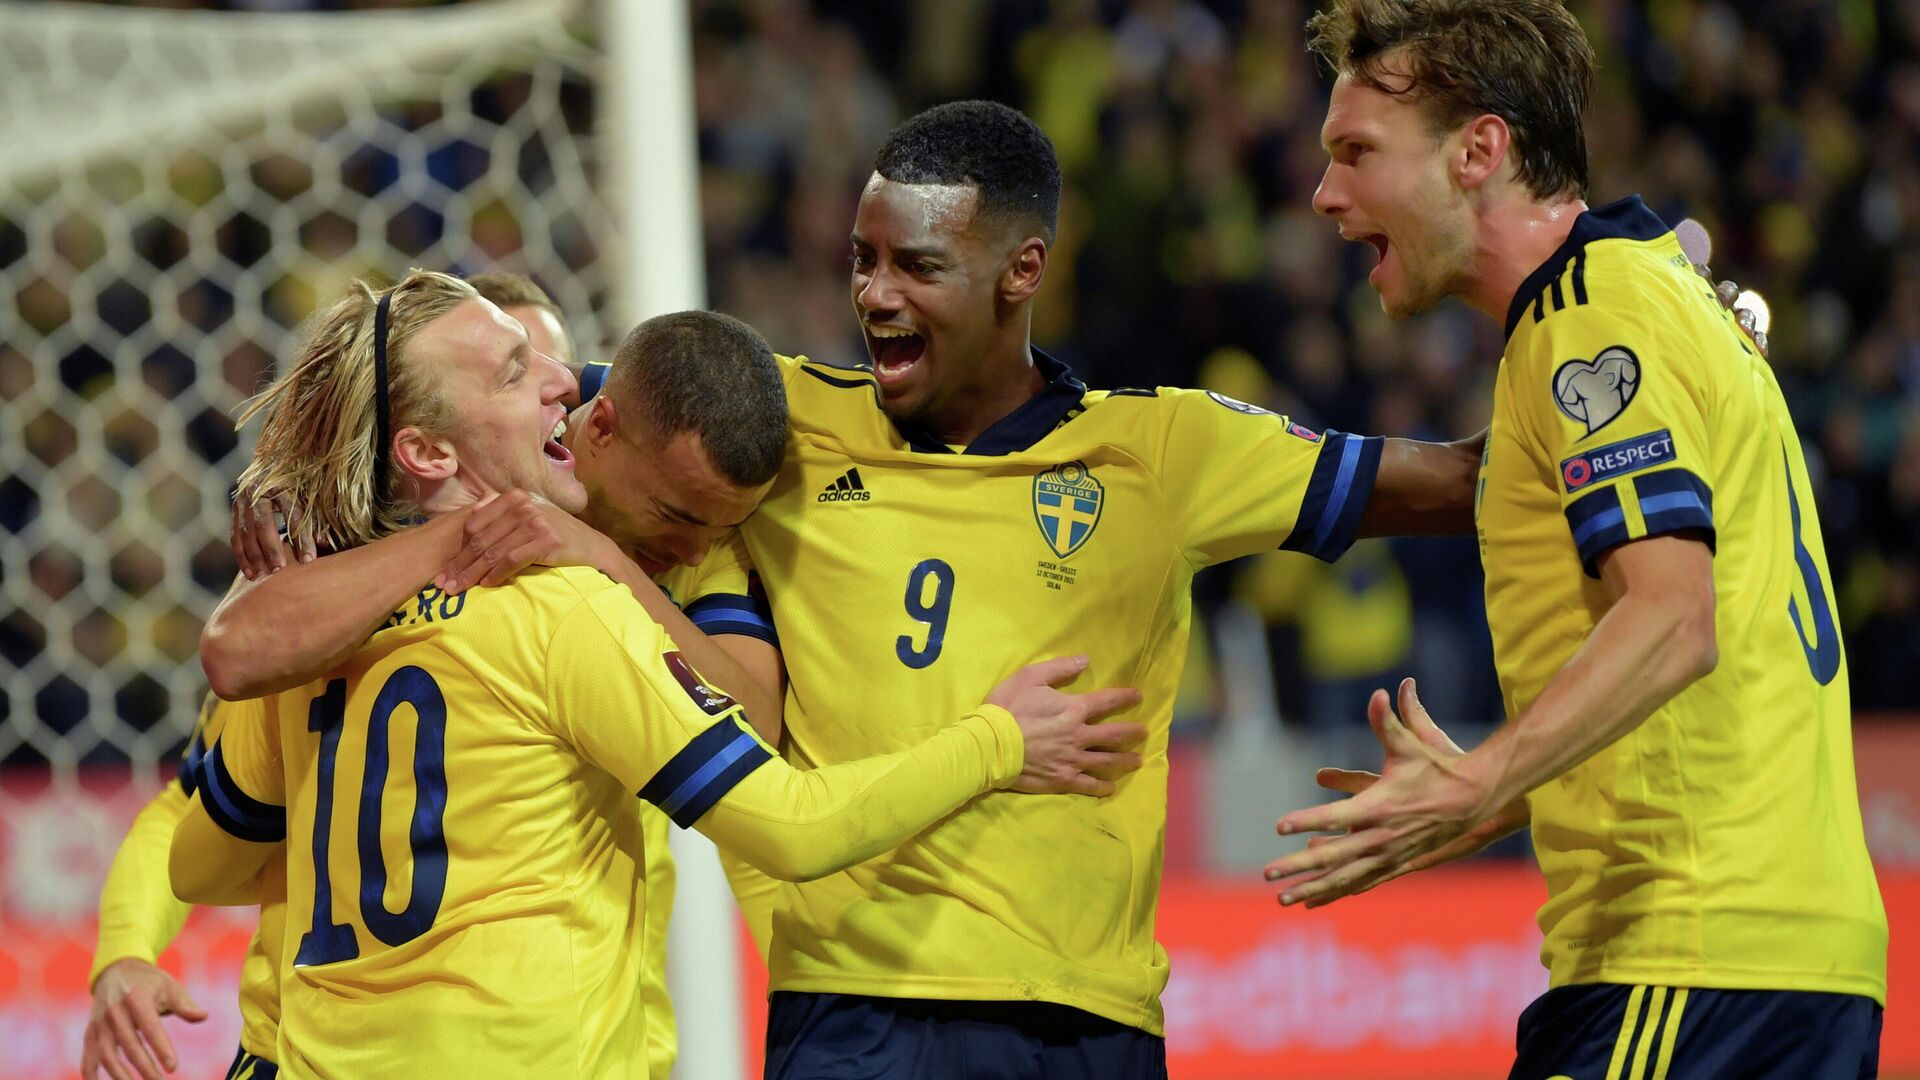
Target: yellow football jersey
[720,597]
[1719,843]
[462,843]
[907,580]
[139,915]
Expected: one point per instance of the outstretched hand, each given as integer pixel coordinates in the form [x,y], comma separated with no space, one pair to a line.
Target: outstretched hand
[124,1036]
[1068,749]
[1409,815]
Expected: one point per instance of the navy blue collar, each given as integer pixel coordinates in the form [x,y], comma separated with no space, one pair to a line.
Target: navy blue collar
[1024,426]
[1626,218]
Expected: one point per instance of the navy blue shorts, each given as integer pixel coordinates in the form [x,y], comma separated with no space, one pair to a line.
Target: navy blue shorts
[1602,1031]
[849,1037]
[250,1067]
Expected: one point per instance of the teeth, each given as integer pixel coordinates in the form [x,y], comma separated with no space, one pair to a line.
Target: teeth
[890,332]
[559,429]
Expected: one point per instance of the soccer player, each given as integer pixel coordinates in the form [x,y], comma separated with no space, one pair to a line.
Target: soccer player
[140,917]
[1678,722]
[493,926]
[966,504]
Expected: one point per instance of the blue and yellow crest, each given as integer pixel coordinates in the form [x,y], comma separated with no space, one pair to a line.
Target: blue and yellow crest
[1066,506]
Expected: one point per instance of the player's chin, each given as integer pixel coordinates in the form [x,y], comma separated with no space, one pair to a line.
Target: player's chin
[565,490]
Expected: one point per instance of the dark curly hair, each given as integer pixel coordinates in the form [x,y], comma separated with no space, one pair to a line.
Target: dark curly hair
[984,144]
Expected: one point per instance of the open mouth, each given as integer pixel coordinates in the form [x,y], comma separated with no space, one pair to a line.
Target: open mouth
[556,450]
[895,352]
[1379,242]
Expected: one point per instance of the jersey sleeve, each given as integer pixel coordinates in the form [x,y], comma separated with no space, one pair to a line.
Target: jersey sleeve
[242,783]
[724,595]
[1619,426]
[1240,479]
[626,699]
[139,915]
[236,819]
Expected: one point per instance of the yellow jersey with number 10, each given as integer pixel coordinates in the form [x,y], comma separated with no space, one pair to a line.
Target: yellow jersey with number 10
[1718,844]
[907,580]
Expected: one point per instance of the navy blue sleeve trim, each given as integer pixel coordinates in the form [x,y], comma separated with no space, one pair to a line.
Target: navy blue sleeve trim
[705,770]
[234,810]
[190,765]
[592,378]
[1675,500]
[1598,525]
[730,613]
[1337,495]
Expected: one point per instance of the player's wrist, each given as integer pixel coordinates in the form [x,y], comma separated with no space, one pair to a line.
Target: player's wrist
[1009,746]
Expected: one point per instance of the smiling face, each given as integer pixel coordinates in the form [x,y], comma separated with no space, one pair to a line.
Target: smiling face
[661,500]
[926,282]
[1388,184]
[507,401]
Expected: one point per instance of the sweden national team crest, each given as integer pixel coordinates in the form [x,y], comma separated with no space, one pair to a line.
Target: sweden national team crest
[1066,506]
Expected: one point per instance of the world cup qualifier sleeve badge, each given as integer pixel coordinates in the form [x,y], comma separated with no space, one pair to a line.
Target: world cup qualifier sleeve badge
[1067,502]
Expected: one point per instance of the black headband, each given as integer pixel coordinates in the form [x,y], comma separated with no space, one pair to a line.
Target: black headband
[381,420]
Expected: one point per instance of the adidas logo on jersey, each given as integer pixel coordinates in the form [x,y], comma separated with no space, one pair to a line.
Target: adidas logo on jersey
[846,489]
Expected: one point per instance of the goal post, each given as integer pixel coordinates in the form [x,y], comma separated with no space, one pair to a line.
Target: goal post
[179,190]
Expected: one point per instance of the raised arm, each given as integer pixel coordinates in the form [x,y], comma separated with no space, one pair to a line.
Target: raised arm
[1655,641]
[283,629]
[629,701]
[1424,489]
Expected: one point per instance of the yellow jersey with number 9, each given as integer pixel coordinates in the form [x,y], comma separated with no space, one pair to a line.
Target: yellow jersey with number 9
[1718,844]
[908,579]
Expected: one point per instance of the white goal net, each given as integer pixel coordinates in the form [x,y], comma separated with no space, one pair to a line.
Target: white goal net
[178,191]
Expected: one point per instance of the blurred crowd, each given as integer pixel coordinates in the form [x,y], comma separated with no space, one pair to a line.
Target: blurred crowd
[1188,255]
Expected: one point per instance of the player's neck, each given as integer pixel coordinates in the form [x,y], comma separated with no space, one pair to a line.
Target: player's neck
[1009,379]
[437,497]
[1515,238]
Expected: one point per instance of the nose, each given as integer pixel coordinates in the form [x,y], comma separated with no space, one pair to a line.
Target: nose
[689,545]
[1329,199]
[557,381]
[877,293]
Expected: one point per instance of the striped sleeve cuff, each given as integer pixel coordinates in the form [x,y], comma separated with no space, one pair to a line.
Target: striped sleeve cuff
[1337,495]
[190,764]
[725,613]
[234,810]
[705,769]
[1668,501]
[592,377]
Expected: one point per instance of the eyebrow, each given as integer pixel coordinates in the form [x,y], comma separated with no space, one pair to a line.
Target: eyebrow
[669,511]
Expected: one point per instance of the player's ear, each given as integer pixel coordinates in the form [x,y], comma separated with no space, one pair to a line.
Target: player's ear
[602,420]
[1025,268]
[1481,152]
[422,456]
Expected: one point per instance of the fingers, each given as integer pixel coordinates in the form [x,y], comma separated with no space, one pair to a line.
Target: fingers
[1098,703]
[89,1056]
[266,535]
[1083,784]
[1328,817]
[1060,669]
[1109,765]
[246,546]
[147,1019]
[1350,880]
[1095,736]
[182,1005]
[303,548]
[129,1044]
[1351,781]
[1416,718]
[1336,852]
[1379,715]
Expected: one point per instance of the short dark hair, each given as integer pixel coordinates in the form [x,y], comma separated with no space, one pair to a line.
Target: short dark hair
[710,374]
[986,144]
[1525,61]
